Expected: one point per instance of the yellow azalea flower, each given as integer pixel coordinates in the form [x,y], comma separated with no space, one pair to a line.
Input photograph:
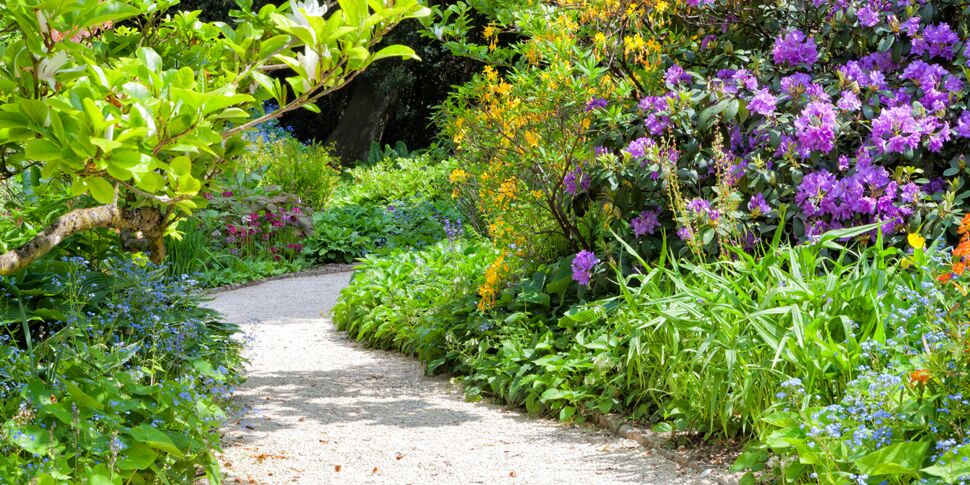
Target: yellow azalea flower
[916,241]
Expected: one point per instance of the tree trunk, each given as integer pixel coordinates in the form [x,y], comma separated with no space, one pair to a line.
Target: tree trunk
[145,223]
[363,121]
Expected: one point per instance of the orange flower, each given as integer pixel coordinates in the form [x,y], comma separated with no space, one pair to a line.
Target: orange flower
[945,278]
[920,376]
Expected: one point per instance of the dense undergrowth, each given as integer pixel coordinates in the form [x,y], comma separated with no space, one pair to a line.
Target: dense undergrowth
[112,374]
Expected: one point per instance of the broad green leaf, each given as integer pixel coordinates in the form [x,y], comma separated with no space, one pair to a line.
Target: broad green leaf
[137,456]
[101,190]
[394,51]
[42,150]
[156,439]
[181,166]
[900,458]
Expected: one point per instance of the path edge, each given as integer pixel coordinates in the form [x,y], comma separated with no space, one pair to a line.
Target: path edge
[317,271]
[615,425]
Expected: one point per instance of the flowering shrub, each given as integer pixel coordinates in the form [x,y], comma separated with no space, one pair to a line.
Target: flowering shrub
[110,376]
[905,413]
[740,124]
[255,225]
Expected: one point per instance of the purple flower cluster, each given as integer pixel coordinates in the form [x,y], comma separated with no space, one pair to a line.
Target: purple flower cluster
[868,195]
[576,181]
[794,48]
[583,265]
[763,102]
[816,128]
[645,223]
[758,205]
[597,103]
[936,41]
[638,148]
[676,75]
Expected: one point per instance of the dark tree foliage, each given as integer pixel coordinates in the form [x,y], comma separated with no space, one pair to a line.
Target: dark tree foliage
[419,86]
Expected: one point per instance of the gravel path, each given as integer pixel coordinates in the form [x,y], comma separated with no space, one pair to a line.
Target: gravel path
[319,408]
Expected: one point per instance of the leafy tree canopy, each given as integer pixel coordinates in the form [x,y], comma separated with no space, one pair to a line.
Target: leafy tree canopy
[138,106]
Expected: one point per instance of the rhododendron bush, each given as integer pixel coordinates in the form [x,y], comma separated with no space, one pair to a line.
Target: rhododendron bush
[721,121]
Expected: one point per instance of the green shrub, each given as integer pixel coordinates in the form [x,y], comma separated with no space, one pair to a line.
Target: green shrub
[308,171]
[738,328]
[395,181]
[110,376]
[416,301]
[345,233]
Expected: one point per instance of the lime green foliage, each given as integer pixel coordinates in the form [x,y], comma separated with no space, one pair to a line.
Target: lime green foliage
[308,171]
[111,375]
[400,203]
[395,180]
[738,328]
[416,301]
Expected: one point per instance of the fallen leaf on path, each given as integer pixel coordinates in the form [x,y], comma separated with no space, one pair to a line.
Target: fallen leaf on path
[265,456]
[374,471]
[302,419]
[399,456]
[512,474]
[336,468]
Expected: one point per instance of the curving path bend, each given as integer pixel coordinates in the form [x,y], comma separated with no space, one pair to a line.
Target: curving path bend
[318,408]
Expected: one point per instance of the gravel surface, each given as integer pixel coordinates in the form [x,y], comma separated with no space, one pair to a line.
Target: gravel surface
[318,408]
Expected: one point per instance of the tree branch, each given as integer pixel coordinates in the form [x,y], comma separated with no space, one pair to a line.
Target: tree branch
[147,220]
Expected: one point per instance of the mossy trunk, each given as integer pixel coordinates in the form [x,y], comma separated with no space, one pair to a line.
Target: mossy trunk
[145,224]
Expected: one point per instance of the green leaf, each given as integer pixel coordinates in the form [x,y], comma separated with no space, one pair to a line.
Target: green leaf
[900,458]
[402,51]
[42,150]
[137,456]
[567,413]
[181,166]
[82,398]
[156,439]
[954,465]
[101,190]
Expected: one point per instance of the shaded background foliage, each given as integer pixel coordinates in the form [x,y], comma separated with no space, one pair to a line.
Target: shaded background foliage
[390,103]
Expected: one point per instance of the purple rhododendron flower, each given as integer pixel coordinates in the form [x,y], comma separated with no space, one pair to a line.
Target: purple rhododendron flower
[910,26]
[758,205]
[699,206]
[795,48]
[638,148]
[936,41]
[910,193]
[576,181]
[868,16]
[596,103]
[895,130]
[815,127]
[763,103]
[796,84]
[963,125]
[645,223]
[676,75]
[583,265]
[685,234]
[849,101]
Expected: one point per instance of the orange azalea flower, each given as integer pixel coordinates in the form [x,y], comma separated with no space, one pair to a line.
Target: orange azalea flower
[920,376]
[945,277]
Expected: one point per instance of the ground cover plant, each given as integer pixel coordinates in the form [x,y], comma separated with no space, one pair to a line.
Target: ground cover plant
[112,374]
